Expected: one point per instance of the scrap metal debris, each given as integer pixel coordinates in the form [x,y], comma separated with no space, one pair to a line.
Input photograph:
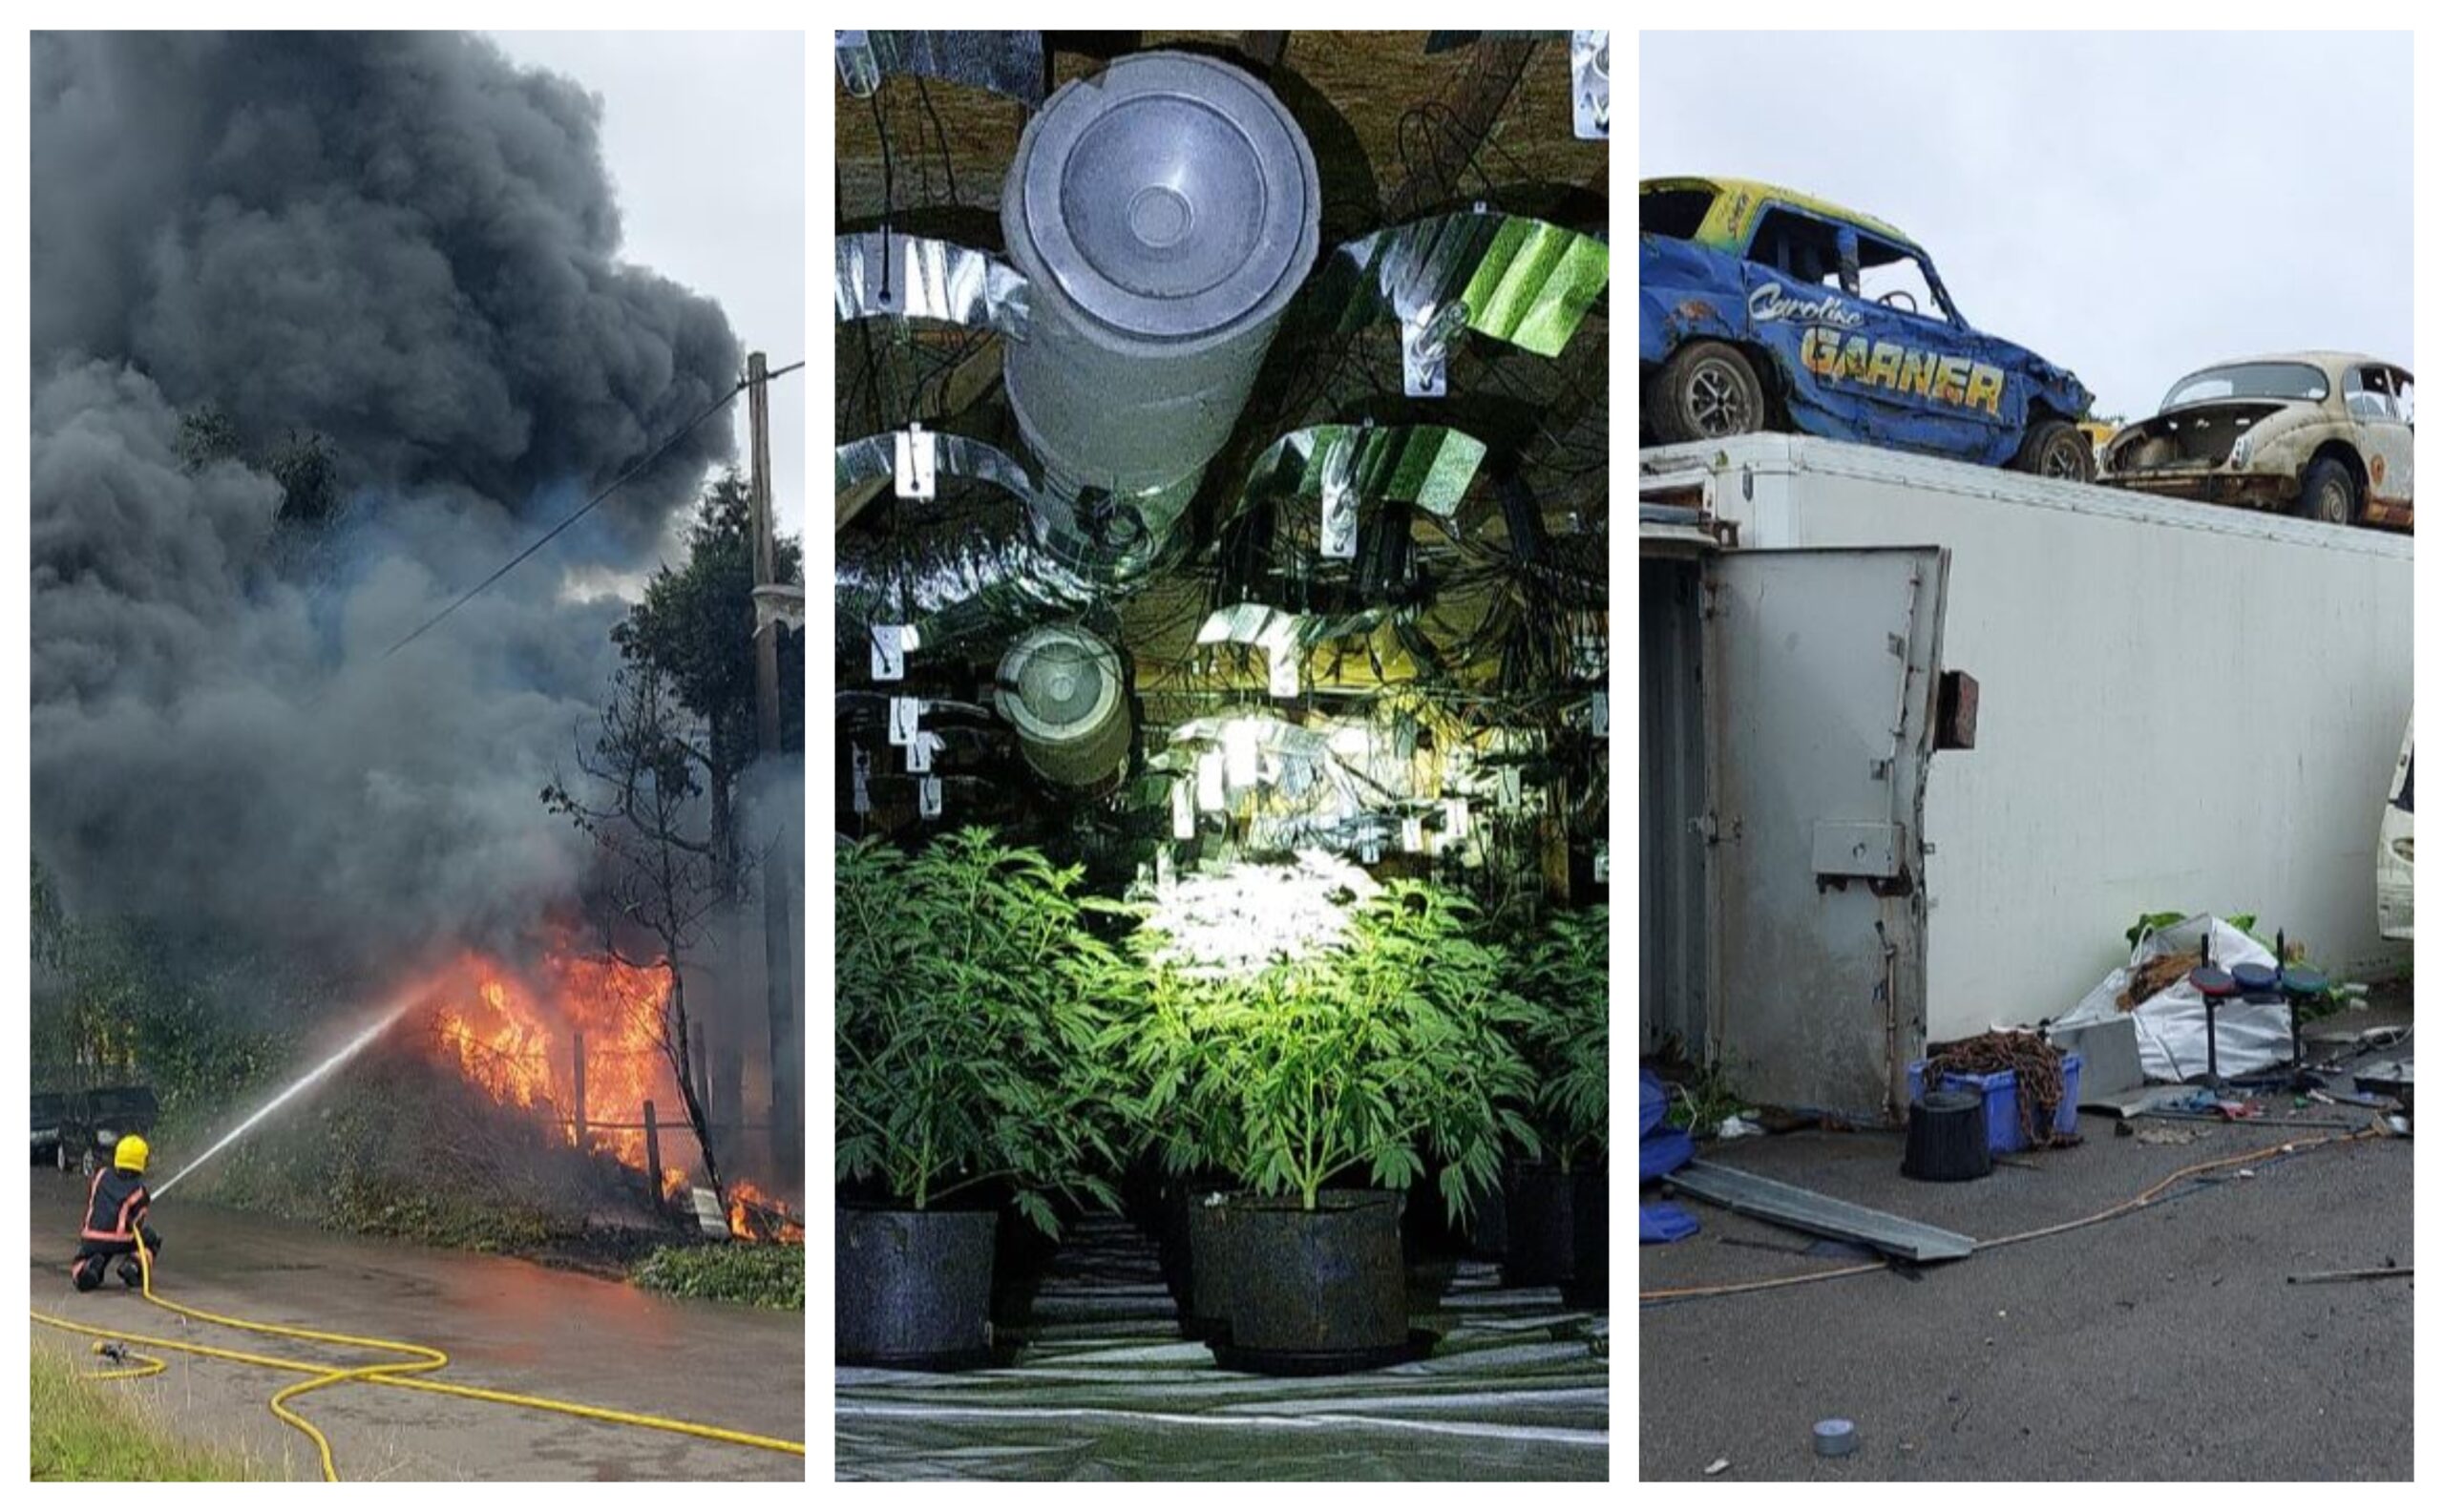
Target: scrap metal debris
[2028,1057]
[1813,1213]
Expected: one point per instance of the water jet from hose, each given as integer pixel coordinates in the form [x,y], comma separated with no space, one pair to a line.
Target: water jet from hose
[338,1058]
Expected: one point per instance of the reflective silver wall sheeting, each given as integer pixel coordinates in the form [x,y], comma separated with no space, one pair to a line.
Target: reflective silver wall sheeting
[957,581]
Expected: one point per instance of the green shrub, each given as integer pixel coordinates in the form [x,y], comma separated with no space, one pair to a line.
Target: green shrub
[770,1276]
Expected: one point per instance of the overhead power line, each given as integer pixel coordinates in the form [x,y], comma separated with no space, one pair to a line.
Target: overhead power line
[587,507]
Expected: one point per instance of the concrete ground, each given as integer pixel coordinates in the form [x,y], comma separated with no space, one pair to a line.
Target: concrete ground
[2162,1345]
[506,1324]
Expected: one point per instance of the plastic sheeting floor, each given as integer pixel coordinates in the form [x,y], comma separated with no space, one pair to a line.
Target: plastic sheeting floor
[1107,1390]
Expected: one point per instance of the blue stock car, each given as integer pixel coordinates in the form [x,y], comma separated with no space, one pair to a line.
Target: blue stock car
[1762,309]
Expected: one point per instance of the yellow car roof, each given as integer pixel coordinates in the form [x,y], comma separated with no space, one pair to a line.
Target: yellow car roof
[1738,202]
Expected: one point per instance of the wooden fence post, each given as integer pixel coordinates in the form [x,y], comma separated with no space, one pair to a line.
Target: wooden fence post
[653,1156]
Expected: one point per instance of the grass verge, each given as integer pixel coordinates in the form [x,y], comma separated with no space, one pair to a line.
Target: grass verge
[770,1276]
[99,1431]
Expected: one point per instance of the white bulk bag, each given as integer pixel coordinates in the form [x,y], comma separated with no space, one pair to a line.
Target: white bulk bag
[2172,1024]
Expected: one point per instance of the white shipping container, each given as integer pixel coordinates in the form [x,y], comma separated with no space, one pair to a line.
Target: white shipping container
[2178,706]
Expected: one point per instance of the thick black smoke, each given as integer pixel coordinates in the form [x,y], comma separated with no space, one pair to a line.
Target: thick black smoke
[408,245]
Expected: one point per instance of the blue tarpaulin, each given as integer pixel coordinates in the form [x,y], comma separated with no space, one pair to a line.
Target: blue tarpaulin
[1663,1222]
[1660,1150]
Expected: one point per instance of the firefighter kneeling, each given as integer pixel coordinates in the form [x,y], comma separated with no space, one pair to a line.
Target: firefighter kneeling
[114,1215]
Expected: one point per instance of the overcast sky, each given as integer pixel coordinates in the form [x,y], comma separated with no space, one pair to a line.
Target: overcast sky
[2132,207]
[704,134]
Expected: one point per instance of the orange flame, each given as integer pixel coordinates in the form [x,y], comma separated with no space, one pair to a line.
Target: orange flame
[755,1216]
[515,1034]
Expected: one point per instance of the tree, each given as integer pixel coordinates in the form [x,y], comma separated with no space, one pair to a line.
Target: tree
[309,477]
[206,434]
[663,874]
[304,465]
[694,628]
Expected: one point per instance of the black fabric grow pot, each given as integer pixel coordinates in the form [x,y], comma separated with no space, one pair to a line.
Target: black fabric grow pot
[1214,1261]
[1180,1195]
[1542,1231]
[912,1289]
[1171,1240]
[1590,1284]
[1946,1138]
[1321,1284]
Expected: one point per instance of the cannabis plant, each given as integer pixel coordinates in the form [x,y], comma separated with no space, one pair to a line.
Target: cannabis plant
[1564,1032]
[971,998]
[1363,1058]
[1181,1103]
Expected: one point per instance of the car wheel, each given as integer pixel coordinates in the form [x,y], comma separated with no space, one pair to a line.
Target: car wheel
[1708,392]
[2328,492]
[2055,448]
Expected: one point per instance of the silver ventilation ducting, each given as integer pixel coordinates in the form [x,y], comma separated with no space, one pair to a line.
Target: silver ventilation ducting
[966,576]
[1063,691]
[1160,215]
[1163,212]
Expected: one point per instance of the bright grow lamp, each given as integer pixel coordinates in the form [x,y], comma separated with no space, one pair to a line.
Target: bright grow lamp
[1235,921]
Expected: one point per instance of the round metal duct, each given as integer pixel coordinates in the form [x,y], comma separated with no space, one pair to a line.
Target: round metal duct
[1164,212]
[1063,692]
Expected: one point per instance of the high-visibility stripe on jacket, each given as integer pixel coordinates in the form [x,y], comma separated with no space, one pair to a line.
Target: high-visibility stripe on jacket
[116,1204]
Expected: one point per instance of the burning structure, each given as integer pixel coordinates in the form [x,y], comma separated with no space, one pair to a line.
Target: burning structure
[584,1043]
[326,328]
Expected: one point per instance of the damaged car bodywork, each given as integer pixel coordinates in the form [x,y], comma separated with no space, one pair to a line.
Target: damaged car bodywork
[1760,309]
[2317,434]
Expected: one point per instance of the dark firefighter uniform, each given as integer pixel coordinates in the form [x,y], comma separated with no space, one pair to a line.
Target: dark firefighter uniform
[116,1212]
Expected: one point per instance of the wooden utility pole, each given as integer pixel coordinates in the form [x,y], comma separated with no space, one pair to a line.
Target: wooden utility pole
[788,1134]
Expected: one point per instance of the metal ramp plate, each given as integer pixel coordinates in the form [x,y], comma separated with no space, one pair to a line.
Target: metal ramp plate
[1811,1213]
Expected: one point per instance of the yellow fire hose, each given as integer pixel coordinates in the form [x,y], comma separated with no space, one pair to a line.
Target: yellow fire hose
[409,1372]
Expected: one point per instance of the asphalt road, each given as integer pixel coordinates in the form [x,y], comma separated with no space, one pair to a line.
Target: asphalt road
[2165,1345]
[506,1324]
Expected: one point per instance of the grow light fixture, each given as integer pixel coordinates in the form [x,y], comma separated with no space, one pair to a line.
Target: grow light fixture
[1242,744]
[1241,919]
[1211,797]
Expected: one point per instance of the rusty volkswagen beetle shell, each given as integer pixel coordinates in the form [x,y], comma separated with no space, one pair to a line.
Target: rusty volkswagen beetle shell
[2317,434]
